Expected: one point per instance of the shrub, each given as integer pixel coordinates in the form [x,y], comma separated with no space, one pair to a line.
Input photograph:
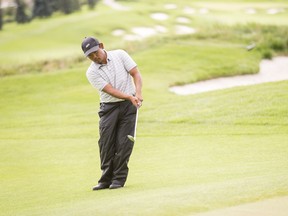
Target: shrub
[267,54]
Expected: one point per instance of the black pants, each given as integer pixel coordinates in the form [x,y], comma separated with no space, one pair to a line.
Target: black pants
[117,120]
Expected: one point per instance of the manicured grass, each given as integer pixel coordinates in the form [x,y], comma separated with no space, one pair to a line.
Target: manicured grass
[193,153]
[189,61]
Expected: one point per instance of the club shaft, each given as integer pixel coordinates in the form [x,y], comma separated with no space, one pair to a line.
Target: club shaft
[136,120]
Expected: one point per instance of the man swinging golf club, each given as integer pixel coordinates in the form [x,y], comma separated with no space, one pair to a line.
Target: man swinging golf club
[116,76]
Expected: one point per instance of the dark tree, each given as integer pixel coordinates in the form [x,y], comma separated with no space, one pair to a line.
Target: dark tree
[1,17]
[76,5]
[92,3]
[68,6]
[21,16]
[55,5]
[42,8]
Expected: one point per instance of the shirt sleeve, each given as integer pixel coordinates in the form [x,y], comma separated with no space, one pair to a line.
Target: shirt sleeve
[95,79]
[128,62]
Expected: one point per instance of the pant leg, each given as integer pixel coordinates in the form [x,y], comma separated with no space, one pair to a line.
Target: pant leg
[124,146]
[107,130]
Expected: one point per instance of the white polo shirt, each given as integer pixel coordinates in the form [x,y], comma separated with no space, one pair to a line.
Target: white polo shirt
[115,72]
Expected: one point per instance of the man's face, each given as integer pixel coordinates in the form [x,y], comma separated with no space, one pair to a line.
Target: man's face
[98,56]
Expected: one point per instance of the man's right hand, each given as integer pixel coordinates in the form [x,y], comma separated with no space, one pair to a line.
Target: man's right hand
[135,101]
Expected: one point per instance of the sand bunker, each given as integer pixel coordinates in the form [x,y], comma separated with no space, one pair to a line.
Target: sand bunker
[273,11]
[183,20]
[270,11]
[140,33]
[182,30]
[159,16]
[270,71]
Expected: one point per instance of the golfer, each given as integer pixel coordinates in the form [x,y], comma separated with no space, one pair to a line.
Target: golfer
[118,79]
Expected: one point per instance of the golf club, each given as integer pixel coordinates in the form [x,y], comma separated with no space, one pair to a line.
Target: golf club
[130,137]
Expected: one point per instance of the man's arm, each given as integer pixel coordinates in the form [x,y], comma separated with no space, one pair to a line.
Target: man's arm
[118,94]
[135,73]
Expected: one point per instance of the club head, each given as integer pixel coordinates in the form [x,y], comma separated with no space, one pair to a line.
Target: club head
[131,138]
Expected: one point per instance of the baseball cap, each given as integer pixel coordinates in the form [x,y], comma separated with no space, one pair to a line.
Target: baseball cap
[89,45]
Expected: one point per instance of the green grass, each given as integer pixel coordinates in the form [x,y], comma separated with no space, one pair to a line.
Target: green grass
[60,36]
[193,153]
[214,59]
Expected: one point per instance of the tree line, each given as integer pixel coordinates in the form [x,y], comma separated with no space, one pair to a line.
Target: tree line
[23,11]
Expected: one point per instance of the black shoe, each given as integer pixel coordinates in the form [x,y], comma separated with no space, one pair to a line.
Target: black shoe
[100,186]
[115,186]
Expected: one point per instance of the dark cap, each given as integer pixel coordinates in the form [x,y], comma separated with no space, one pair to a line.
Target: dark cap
[89,45]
